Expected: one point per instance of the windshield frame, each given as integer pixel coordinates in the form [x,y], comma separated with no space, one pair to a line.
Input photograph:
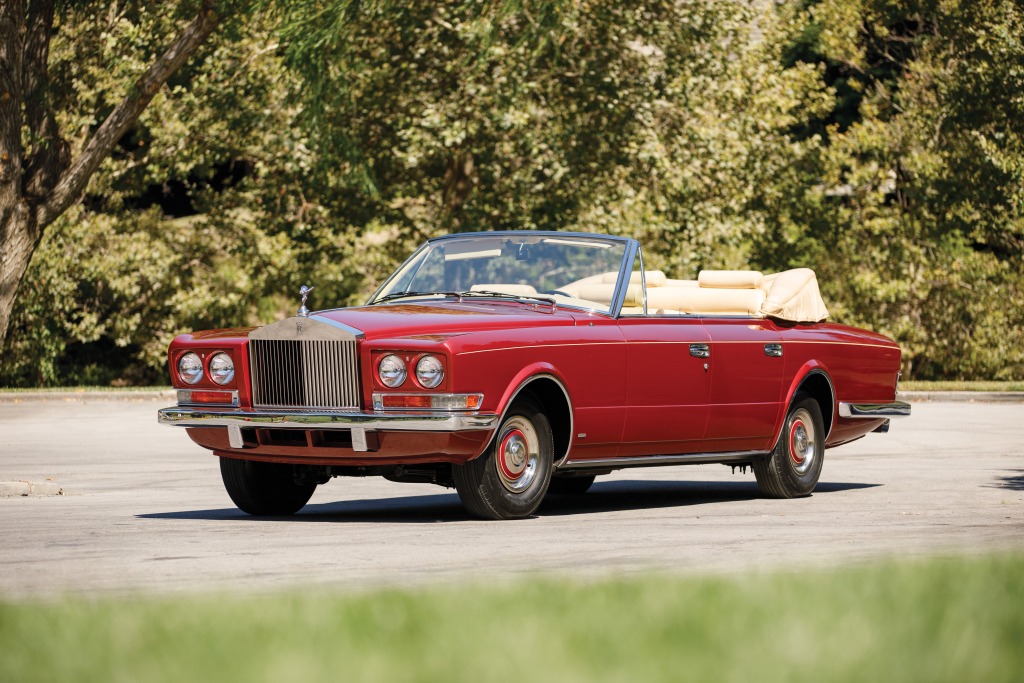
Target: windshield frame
[630,249]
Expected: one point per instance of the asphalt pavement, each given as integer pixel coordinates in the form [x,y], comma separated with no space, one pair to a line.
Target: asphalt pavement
[95,497]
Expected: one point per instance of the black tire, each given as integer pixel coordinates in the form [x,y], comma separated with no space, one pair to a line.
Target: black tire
[793,468]
[510,479]
[570,486]
[264,488]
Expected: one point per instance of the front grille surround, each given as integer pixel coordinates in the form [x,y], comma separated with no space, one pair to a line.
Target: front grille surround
[300,374]
[304,364]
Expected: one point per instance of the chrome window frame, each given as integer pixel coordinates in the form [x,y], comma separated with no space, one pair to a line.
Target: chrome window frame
[625,267]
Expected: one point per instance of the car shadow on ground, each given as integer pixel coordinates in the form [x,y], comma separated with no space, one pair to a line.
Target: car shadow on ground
[627,494]
[445,507]
[1013,481]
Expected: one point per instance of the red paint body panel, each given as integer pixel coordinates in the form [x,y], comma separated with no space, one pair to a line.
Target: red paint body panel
[394,448]
[667,389]
[746,385]
[206,344]
[634,387]
[862,367]
[588,359]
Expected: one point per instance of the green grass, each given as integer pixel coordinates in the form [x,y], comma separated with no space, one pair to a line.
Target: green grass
[961,386]
[930,621]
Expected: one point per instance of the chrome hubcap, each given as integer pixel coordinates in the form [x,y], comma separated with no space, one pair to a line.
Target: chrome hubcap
[801,441]
[517,454]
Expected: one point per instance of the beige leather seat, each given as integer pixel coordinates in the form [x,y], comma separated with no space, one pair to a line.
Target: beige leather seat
[790,295]
[722,292]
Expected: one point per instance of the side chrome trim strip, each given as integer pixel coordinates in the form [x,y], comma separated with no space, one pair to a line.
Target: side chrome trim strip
[625,275]
[179,416]
[874,411]
[650,460]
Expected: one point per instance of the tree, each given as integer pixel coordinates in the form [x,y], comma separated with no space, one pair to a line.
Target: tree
[40,177]
[660,119]
[913,208]
[200,216]
[880,142]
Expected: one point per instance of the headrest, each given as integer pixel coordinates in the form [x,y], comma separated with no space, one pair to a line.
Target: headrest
[654,278]
[731,279]
[603,293]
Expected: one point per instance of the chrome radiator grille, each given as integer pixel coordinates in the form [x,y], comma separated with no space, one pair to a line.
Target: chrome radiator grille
[304,374]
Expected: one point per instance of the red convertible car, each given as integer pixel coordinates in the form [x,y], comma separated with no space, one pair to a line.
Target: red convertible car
[513,365]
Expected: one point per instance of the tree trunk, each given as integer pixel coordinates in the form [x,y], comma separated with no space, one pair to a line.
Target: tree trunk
[19,237]
[38,184]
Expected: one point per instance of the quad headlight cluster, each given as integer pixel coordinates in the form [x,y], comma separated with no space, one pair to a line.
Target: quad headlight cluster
[220,368]
[393,371]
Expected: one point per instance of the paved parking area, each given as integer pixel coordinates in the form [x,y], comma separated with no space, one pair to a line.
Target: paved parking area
[125,505]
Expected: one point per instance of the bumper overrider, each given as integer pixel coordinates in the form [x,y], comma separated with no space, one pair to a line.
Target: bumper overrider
[872,411]
[875,411]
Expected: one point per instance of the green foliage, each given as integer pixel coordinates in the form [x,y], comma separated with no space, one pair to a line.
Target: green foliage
[664,121]
[930,621]
[113,281]
[880,142]
[913,210]
[112,291]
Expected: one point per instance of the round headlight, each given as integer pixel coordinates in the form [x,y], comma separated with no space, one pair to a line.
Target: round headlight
[391,371]
[429,372]
[190,368]
[222,368]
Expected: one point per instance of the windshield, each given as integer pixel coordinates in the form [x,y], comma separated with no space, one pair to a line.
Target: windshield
[567,269]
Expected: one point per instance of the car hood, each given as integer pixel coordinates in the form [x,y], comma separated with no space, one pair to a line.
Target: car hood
[445,318]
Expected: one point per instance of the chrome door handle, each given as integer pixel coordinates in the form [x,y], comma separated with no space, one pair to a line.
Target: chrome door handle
[700,350]
[773,350]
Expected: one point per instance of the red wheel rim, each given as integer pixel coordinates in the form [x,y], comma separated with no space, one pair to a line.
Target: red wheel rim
[513,455]
[797,442]
[803,442]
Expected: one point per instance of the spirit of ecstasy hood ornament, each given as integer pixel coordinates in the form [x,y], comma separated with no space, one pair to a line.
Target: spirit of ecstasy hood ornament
[304,292]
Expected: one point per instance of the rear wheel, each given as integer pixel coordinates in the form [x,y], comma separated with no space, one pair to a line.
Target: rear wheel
[510,479]
[264,488]
[793,468]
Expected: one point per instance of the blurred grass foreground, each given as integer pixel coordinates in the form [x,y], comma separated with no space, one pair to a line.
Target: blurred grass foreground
[921,620]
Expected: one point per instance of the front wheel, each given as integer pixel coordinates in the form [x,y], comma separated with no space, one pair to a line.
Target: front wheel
[510,479]
[793,468]
[264,488]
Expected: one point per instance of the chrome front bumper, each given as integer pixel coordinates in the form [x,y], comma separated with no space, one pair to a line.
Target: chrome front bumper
[874,411]
[357,423]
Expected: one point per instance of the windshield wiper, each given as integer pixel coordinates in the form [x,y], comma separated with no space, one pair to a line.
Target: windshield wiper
[490,293]
[399,295]
[486,293]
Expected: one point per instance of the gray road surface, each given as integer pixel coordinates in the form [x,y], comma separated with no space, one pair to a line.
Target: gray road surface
[143,510]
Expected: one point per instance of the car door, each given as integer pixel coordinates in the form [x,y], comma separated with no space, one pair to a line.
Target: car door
[746,370]
[667,385]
